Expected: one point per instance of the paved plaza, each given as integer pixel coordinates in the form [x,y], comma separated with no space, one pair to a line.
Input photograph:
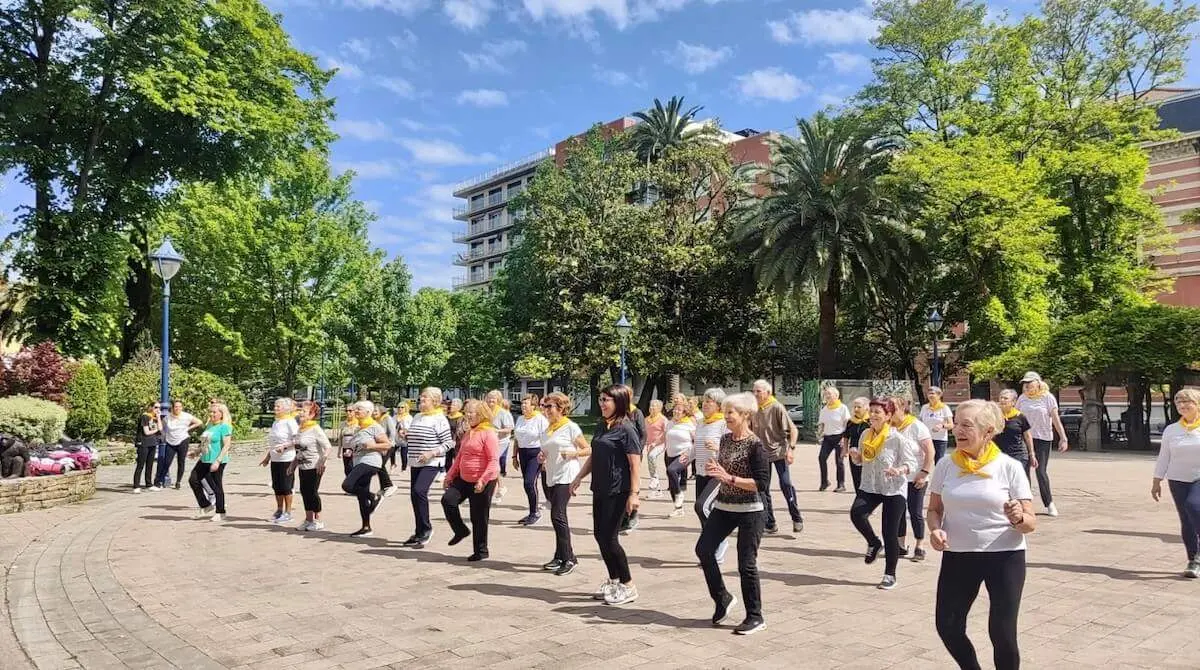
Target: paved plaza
[127,581]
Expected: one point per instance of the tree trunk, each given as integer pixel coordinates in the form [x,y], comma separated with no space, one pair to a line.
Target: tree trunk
[1136,434]
[648,388]
[827,329]
[1091,429]
[672,384]
[594,394]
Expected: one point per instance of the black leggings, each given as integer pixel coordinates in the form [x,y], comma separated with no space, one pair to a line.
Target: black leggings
[607,511]
[1003,573]
[179,451]
[893,511]
[310,490]
[1041,449]
[832,444]
[358,483]
[146,456]
[283,479]
[916,512]
[203,472]
[481,505]
[528,459]
[560,496]
[676,475]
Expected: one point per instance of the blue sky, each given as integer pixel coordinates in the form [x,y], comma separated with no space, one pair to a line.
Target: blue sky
[432,92]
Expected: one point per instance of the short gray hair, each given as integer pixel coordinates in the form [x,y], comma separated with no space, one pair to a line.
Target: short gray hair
[1010,394]
[716,395]
[364,406]
[742,403]
[286,403]
[766,385]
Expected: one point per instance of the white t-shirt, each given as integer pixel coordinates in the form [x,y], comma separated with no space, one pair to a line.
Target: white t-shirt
[917,432]
[282,432]
[834,420]
[1037,411]
[701,453]
[561,464]
[1179,455]
[528,432]
[175,428]
[679,437]
[974,517]
[504,419]
[935,420]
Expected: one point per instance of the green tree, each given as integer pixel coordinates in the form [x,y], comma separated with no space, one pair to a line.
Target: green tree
[369,322]
[426,331]
[111,105]
[663,127]
[479,346]
[825,221]
[86,399]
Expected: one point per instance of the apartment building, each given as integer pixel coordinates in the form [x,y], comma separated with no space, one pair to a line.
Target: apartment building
[488,232]
[1174,178]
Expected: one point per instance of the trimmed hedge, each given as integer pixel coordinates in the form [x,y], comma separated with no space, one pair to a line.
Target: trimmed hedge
[136,385]
[88,415]
[32,419]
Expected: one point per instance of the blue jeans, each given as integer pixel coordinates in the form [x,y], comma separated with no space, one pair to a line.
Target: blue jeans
[1187,504]
[529,472]
[789,494]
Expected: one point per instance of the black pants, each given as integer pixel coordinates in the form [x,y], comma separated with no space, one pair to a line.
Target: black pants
[481,507]
[1187,503]
[856,475]
[404,457]
[146,456]
[939,450]
[358,484]
[676,475]
[347,463]
[1041,449]
[706,496]
[607,511]
[310,490]
[385,480]
[503,462]
[749,526]
[831,444]
[545,486]
[422,479]
[203,472]
[529,473]
[391,456]
[1003,573]
[893,511]
[283,479]
[559,496]
[916,512]
[789,493]
[179,451]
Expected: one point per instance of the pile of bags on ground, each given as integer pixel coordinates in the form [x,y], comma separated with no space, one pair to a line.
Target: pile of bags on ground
[18,459]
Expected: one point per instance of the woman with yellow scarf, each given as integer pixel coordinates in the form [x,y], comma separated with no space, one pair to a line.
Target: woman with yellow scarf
[887,458]
[907,425]
[939,419]
[473,478]
[370,443]
[980,509]
[859,413]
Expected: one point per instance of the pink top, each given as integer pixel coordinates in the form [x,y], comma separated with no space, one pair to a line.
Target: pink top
[478,458]
[656,433]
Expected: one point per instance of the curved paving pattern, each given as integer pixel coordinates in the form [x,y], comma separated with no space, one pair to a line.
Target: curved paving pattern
[133,582]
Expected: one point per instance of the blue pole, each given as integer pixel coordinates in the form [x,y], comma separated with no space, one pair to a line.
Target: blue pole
[622,362]
[936,375]
[165,381]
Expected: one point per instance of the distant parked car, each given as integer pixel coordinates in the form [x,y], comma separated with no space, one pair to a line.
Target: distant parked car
[1072,419]
[796,413]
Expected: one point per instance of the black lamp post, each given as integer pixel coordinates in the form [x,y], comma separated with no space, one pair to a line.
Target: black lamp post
[934,322]
[623,329]
[165,262]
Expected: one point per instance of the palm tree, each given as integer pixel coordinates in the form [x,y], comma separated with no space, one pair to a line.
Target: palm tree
[825,222]
[663,127]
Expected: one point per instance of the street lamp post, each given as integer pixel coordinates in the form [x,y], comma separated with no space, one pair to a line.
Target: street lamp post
[623,328]
[935,327]
[165,262]
[772,347]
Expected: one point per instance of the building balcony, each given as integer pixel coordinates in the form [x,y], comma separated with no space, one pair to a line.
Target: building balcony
[472,280]
[466,211]
[499,174]
[484,251]
[474,230]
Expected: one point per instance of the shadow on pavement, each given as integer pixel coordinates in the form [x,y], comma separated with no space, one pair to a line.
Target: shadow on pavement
[607,614]
[1110,572]
[809,551]
[422,556]
[800,579]
[1169,538]
[549,596]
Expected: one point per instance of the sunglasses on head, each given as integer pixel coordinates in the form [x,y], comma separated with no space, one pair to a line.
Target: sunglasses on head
[547,405]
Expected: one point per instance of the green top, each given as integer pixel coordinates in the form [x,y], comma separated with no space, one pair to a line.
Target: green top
[211,441]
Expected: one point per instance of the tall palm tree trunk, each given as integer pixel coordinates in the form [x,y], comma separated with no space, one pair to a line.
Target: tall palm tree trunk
[827,328]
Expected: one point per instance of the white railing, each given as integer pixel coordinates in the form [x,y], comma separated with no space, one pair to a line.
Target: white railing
[483,251]
[507,167]
[471,230]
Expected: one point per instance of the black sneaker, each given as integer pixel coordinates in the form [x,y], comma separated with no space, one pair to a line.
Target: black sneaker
[458,537]
[771,530]
[532,519]
[872,553]
[904,550]
[376,499]
[176,486]
[362,532]
[750,626]
[423,540]
[412,541]
[918,554]
[824,487]
[566,568]
[722,611]
[524,521]
[477,557]
[553,565]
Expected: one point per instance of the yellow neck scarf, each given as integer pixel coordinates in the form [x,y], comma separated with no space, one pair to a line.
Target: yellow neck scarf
[366,422]
[1011,413]
[713,418]
[907,421]
[433,412]
[285,417]
[308,423]
[562,421]
[152,415]
[454,415]
[352,423]
[531,414]
[1189,426]
[834,405]
[770,401]
[871,443]
[974,466]
[655,418]
[484,425]
[934,407]
[855,418]
[686,419]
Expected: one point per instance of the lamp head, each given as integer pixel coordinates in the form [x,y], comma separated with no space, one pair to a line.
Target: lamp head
[165,261]
[935,321]
[623,326]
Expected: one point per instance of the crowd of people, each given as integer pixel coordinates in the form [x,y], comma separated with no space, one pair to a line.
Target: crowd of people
[973,504]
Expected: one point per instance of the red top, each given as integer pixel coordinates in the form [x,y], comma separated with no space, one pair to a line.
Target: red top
[656,433]
[478,458]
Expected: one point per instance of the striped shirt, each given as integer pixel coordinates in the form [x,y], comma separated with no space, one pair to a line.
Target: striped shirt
[701,454]
[429,434]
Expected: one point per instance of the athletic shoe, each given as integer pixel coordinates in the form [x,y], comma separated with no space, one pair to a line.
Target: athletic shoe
[532,519]
[376,502]
[423,540]
[389,492]
[524,521]
[918,555]
[887,583]
[824,487]
[553,565]
[722,549]
[633,520]
[722,611]
[904,550]
[771,530]
[605,588]
[500,493]
[156,487]
[797,527]
[1193,569]
[217,518]
[546,504]
[318,525]
[476,557]
[137,489]
[412,541]
[840,489]
[458,537]
[306,526]
[655,494]
[566,568]
[204,513]
[176,486]
[1051,510]
[750,626]
[362,532]
[654,484]
[677,512]
[872,553]
[285,518]
[621,594]
[276,515]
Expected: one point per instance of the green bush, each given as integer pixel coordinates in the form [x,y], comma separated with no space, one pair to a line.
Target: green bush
[32,419]
[136,384]
[88,415]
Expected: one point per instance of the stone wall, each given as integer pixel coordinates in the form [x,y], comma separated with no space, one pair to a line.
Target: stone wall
[26,493]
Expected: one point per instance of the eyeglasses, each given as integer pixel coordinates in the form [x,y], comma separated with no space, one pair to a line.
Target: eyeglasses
[547,405]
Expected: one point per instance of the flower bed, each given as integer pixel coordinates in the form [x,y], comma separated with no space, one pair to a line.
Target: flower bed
[26,493]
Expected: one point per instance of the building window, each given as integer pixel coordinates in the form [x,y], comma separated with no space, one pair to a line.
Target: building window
[477,202]
[495,196]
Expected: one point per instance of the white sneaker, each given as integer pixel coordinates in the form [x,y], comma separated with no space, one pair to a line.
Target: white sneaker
[156,488]
[137,489]
[218,518]
[654,483]
[621,594]
[677,512]
[499,494]
[1193,569]
[678,500]
[317,525]
[605,588]
[546,504]
[1051,510]
[655,494]
[306,525]
[721,550]
[204,513]
[389,492]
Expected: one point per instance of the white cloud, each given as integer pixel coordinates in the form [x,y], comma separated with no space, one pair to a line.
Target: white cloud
[489,59]
[618,78]
[621,13]
[483,97]
[825,26]
[772,83]
[435,202]
[404,7]
[344,69]
[697,58]
[399,86]
[359,47]
[441,152]
[406,41]
[468,14]
[414,126]
[366,131]
[369,169]
[845,62]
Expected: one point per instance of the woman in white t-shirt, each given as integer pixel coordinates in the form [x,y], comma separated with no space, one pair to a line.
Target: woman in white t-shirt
[916,431]
[939,419]
[980,509]
[1179,464]
[281,456]
[562,446]
[528,435]
[681,433]
[831,426]
[502,421]
[1041,410]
